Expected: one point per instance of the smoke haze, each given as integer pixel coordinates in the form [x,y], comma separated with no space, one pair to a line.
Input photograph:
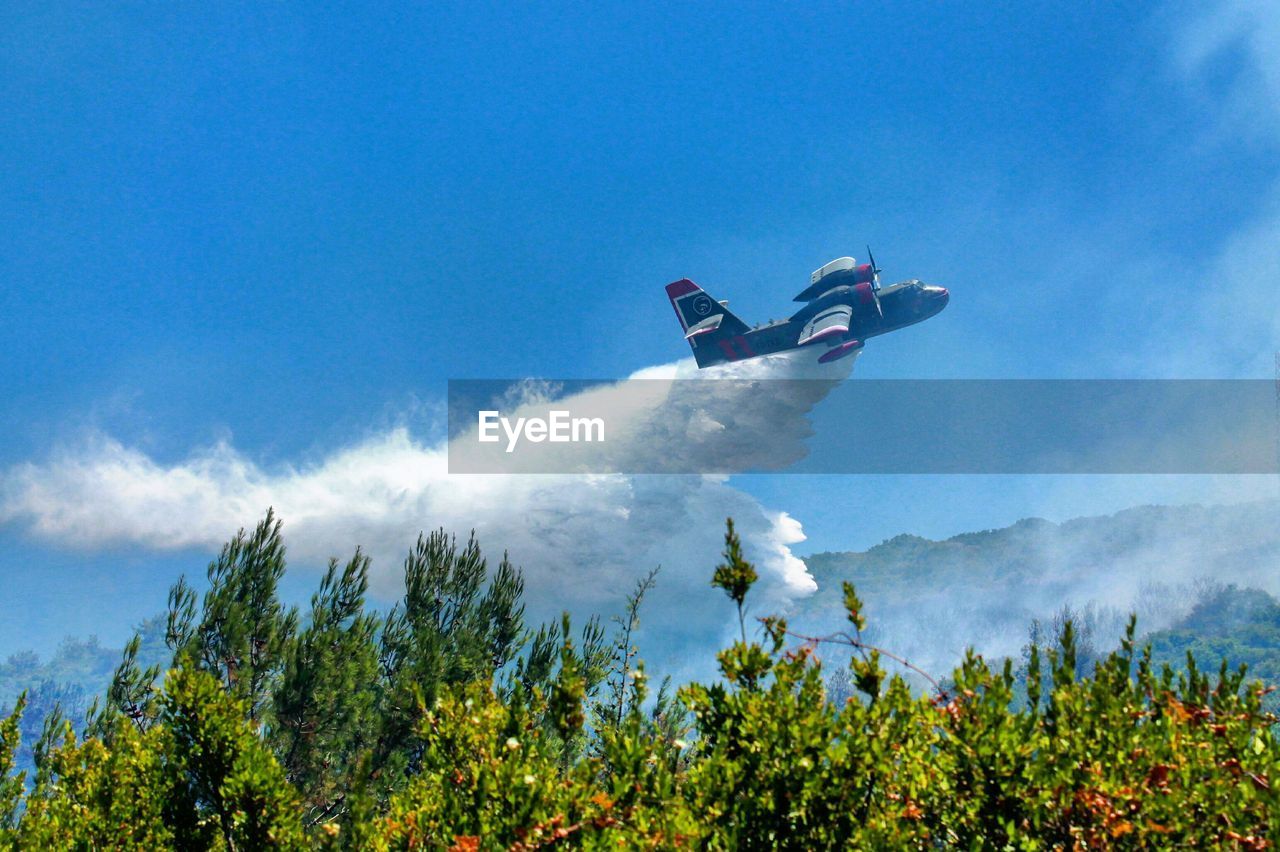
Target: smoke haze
[582,540]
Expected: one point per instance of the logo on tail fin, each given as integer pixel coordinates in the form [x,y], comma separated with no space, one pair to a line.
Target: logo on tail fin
[708,325]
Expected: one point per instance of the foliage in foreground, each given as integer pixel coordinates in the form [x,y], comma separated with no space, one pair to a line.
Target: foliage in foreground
[448,724]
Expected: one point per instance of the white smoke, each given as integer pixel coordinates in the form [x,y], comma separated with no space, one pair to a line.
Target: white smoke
[736,417]
[582,540]
[930,600]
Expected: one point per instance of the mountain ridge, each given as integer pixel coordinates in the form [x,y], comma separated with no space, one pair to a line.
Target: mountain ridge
[933,598]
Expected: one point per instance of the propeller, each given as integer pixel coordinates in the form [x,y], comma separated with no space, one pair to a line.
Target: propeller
[875,270]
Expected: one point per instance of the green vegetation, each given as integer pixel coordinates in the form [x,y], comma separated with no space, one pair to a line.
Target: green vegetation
[1241,626]
[69,680]
[449,723]
[933,598]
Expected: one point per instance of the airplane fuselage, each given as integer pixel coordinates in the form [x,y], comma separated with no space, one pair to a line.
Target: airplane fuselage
[901,304]
[844,305]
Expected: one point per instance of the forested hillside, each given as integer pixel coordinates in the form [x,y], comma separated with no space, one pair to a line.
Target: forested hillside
[449,722]
[1241,626]
[933,599]
[70,681]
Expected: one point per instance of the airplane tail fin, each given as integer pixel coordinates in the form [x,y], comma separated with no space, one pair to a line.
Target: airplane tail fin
[705,321]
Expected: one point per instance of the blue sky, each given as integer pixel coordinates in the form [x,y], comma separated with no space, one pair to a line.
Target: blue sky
[285,227]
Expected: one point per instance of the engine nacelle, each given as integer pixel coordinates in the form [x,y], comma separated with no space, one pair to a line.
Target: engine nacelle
[841,272]
[866,304]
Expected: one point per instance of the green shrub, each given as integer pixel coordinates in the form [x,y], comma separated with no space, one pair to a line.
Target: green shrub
[450,726]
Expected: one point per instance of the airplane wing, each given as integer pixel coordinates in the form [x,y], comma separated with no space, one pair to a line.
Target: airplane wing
[825,325]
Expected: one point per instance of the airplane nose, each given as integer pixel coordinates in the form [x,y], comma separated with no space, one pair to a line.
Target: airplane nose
[940,299]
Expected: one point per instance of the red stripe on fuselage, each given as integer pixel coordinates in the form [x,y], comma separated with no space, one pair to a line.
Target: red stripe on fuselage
[728,350]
